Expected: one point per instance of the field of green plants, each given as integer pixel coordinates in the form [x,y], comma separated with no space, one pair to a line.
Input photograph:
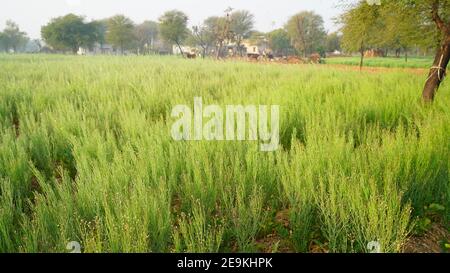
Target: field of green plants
[390,62]
[86,155]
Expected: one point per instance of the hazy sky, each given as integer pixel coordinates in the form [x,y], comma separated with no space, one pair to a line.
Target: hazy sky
[32,14]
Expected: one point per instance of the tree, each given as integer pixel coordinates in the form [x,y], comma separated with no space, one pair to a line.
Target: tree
[146,35]
[403,23]
[120,32]
[333,42]
[241,26]
[12,38]
[279,41]
[69,32]
[307,32]
[219,30]
[360,26]
[100,28]
[426,14]
[204,37]
[400,31]
[173,27]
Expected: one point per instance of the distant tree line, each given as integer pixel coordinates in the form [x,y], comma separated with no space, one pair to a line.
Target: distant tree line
[303,34]
[363,27]
[71,32]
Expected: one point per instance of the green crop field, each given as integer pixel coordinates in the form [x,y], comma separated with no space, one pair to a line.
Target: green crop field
[86,155]
[390,62]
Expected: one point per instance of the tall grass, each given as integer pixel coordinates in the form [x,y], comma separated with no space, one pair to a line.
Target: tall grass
[86,155]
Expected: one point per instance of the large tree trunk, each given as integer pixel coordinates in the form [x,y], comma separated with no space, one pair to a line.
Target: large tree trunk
[437,71]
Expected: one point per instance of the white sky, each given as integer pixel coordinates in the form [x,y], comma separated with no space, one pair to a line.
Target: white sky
[269,14]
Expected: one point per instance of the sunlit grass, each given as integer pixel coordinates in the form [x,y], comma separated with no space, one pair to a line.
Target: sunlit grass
[86,155]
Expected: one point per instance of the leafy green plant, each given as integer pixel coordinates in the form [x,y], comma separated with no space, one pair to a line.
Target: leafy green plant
[86,155]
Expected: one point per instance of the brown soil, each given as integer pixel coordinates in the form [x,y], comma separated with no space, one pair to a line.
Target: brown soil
[430,242]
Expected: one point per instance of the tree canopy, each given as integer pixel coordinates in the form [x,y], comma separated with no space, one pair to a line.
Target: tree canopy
[333,42]
[203,36]
[69,32]
[146,35]
[307,32]
[401,24]
[360,26]
[279,41]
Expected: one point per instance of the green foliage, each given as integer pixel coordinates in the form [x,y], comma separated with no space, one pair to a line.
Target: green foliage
[86,155]
[120,32]
[361,26]
[173,26]
[333,42]
[70,32]
[242,23]
[204,36]
[196,234]
[246,213]
[146,35]
[279,41]
[393,24]
[12,38]
[216,28]
[99,29]
[307,32]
